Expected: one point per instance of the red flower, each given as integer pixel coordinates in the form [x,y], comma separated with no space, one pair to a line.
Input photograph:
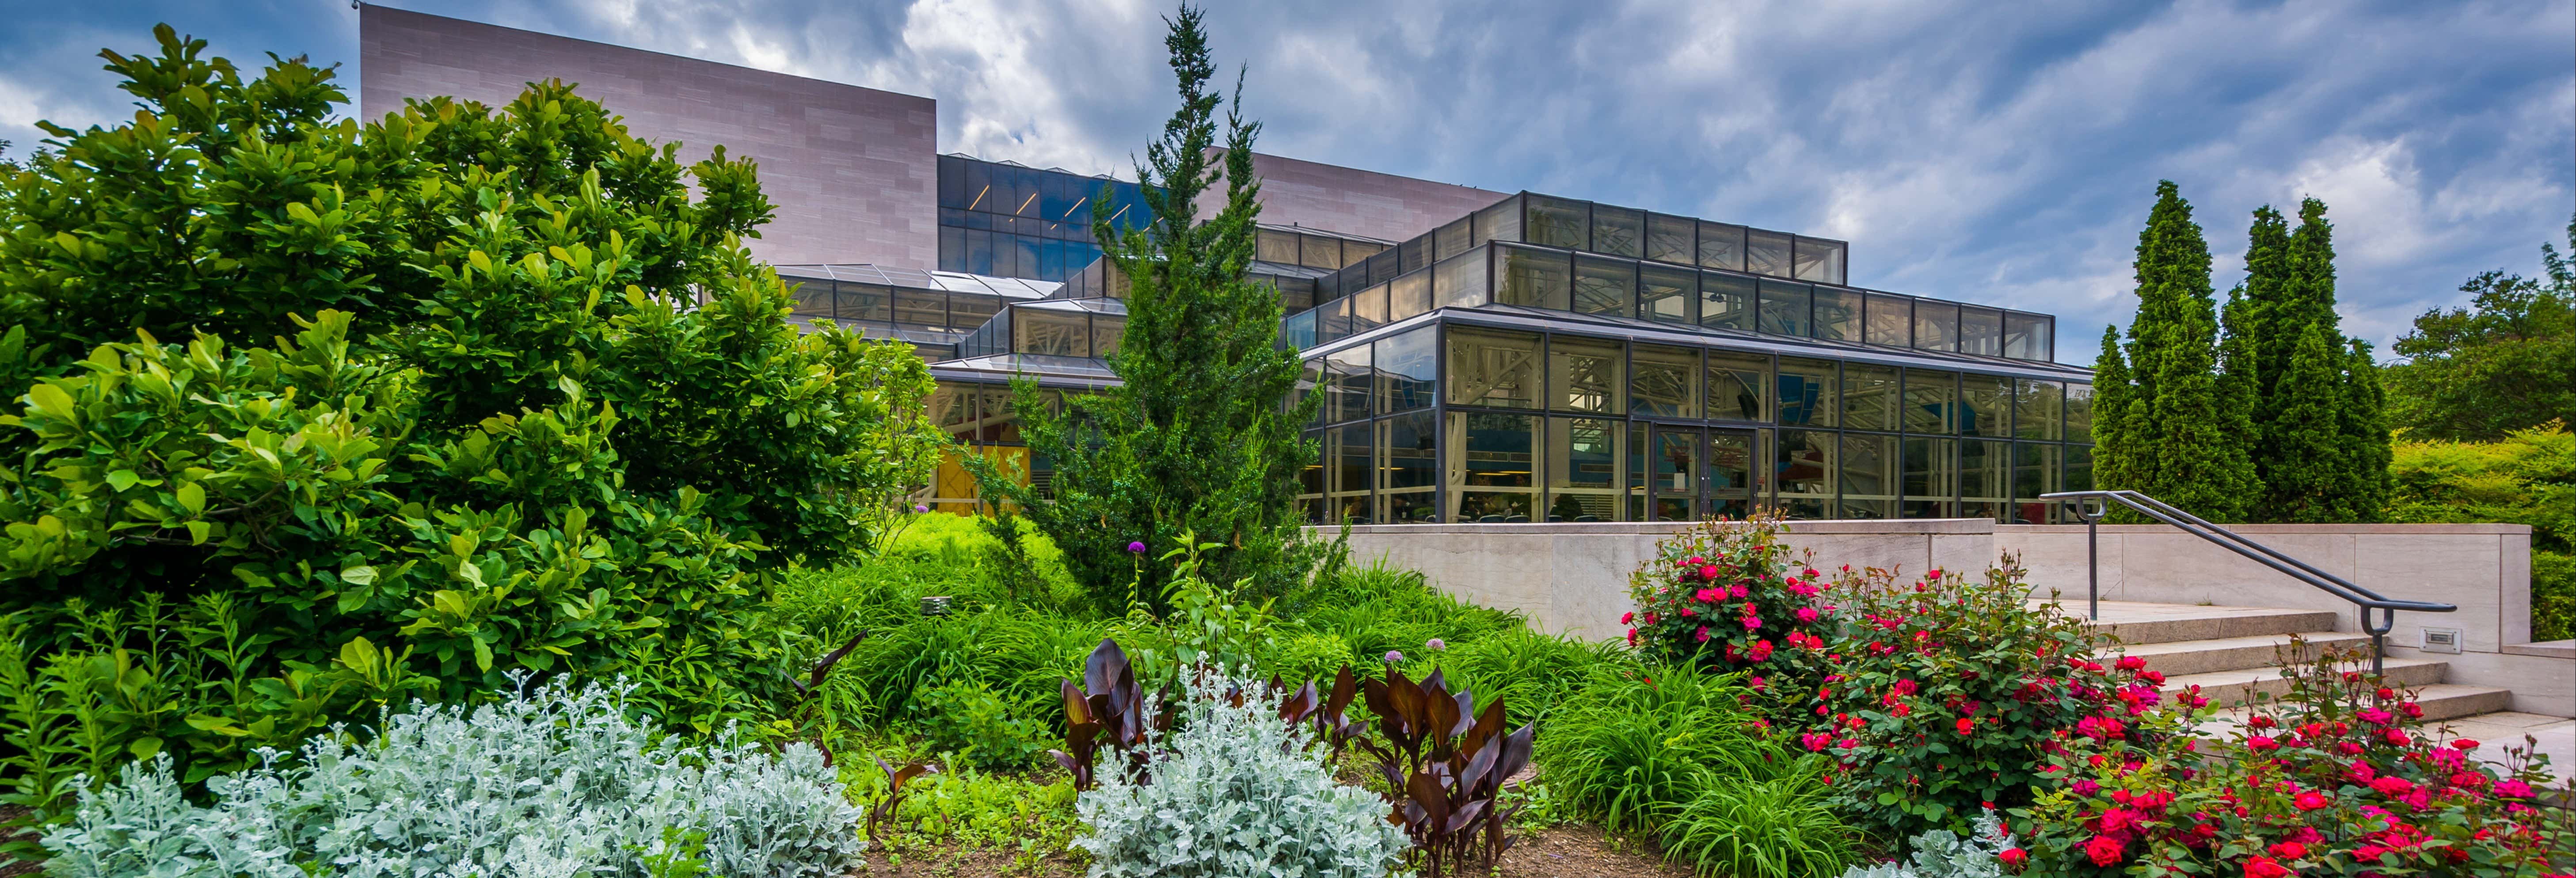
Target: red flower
[1628,617]
[2263,867]
[2311,800]
[2105,850]
[2392,786]
[2290,850]
[1967,725]
[2014,858]
[2464,745]
[2386,693]
[2132,663]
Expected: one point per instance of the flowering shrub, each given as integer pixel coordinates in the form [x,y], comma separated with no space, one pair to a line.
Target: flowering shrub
[2336,778]
[1726,595]
[1943,696]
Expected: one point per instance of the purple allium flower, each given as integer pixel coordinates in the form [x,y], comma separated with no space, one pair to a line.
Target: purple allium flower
[921,507]
[1393,656]
[1136,547]
[1436,645]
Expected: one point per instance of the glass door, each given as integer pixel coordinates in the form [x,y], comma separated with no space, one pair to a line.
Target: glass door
[1732,473]
[1676,481]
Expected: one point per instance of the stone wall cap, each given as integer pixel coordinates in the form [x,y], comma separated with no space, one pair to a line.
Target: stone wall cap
[1897,527]
[2391,529]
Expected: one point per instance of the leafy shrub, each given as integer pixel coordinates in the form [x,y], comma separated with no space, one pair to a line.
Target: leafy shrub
[2528,477]
[1532,673]
[1726,595]
[483,389]
[1940,853]
[1236,792]
[966,719]
[2335,778]
[1376,609]
[558,782]
[1943,697]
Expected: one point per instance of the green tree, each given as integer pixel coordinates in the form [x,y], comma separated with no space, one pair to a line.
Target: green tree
[2362,422]
[2179,444]
[2506,362]
[2114,412]
[314,415]
[1197,438]
[2307,480]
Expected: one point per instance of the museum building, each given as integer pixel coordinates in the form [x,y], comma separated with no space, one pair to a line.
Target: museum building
[1484,356]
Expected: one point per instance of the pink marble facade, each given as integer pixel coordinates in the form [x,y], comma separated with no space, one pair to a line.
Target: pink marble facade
[1353,201]
[854,171]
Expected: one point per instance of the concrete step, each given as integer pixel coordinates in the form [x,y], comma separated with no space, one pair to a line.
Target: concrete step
[2134,623]
[2180,657]
[2442,702]
[2235,687]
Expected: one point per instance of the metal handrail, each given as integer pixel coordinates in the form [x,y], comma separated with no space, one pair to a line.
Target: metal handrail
[2364,600]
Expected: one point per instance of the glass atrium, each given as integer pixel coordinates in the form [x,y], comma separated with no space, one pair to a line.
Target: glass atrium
[1547,359]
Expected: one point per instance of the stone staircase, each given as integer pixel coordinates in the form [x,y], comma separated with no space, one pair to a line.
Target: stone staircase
[2232,653]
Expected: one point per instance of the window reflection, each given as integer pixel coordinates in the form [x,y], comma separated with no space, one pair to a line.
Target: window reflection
[1534,279]
[1618,231]
[1667,294]
[1586,375]
[1490,477]
[1670,239]
[1936,326]
[1837,314]
[1721,246]
[1931,401]
[1738,386]
[1869,397]
[1726,301]
[1583,463]
[1890,321]
[1869,476]
[1807,473]
[1666,381]
[1557,222]
[1406,366]
[2038,408]
[1493,368]
[1785,308]
[1604,286]
[1931,477]
[1807,390]
[1408,468]
[1767,252]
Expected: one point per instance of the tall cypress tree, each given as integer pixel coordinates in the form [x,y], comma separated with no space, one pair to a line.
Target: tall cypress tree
[2238,383]
[1197,437]
[2177,444]
[2366,482]
[2115,400]
[2309,478]
[2267,287]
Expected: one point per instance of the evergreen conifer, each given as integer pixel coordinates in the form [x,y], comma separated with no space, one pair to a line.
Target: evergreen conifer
[2113,398]
[2180,449]
[1197,437]
[2308,478]
[2367,484]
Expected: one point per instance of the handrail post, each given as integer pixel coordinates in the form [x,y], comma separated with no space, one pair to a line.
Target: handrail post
[2093,554]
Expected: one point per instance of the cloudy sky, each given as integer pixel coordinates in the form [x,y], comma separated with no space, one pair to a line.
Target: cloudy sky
[1977,151]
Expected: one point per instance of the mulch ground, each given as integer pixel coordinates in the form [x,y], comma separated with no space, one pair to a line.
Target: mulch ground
[1565,851]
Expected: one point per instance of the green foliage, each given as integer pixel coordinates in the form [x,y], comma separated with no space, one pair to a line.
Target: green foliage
[2318,437]
[2305,460]
[2180,441]
[412,405]
[1671,750]
[2507,362]
[1940,853]
[1236,791]
[2529,477]
[1638,742]
[555,781]
[1943,695]
[965,719]
[2338,777]
[1776,827]
[1723,594]
[1197,437]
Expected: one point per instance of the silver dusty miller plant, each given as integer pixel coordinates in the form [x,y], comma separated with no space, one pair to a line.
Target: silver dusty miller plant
[1941,853]
[555,782]
[1235,792]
